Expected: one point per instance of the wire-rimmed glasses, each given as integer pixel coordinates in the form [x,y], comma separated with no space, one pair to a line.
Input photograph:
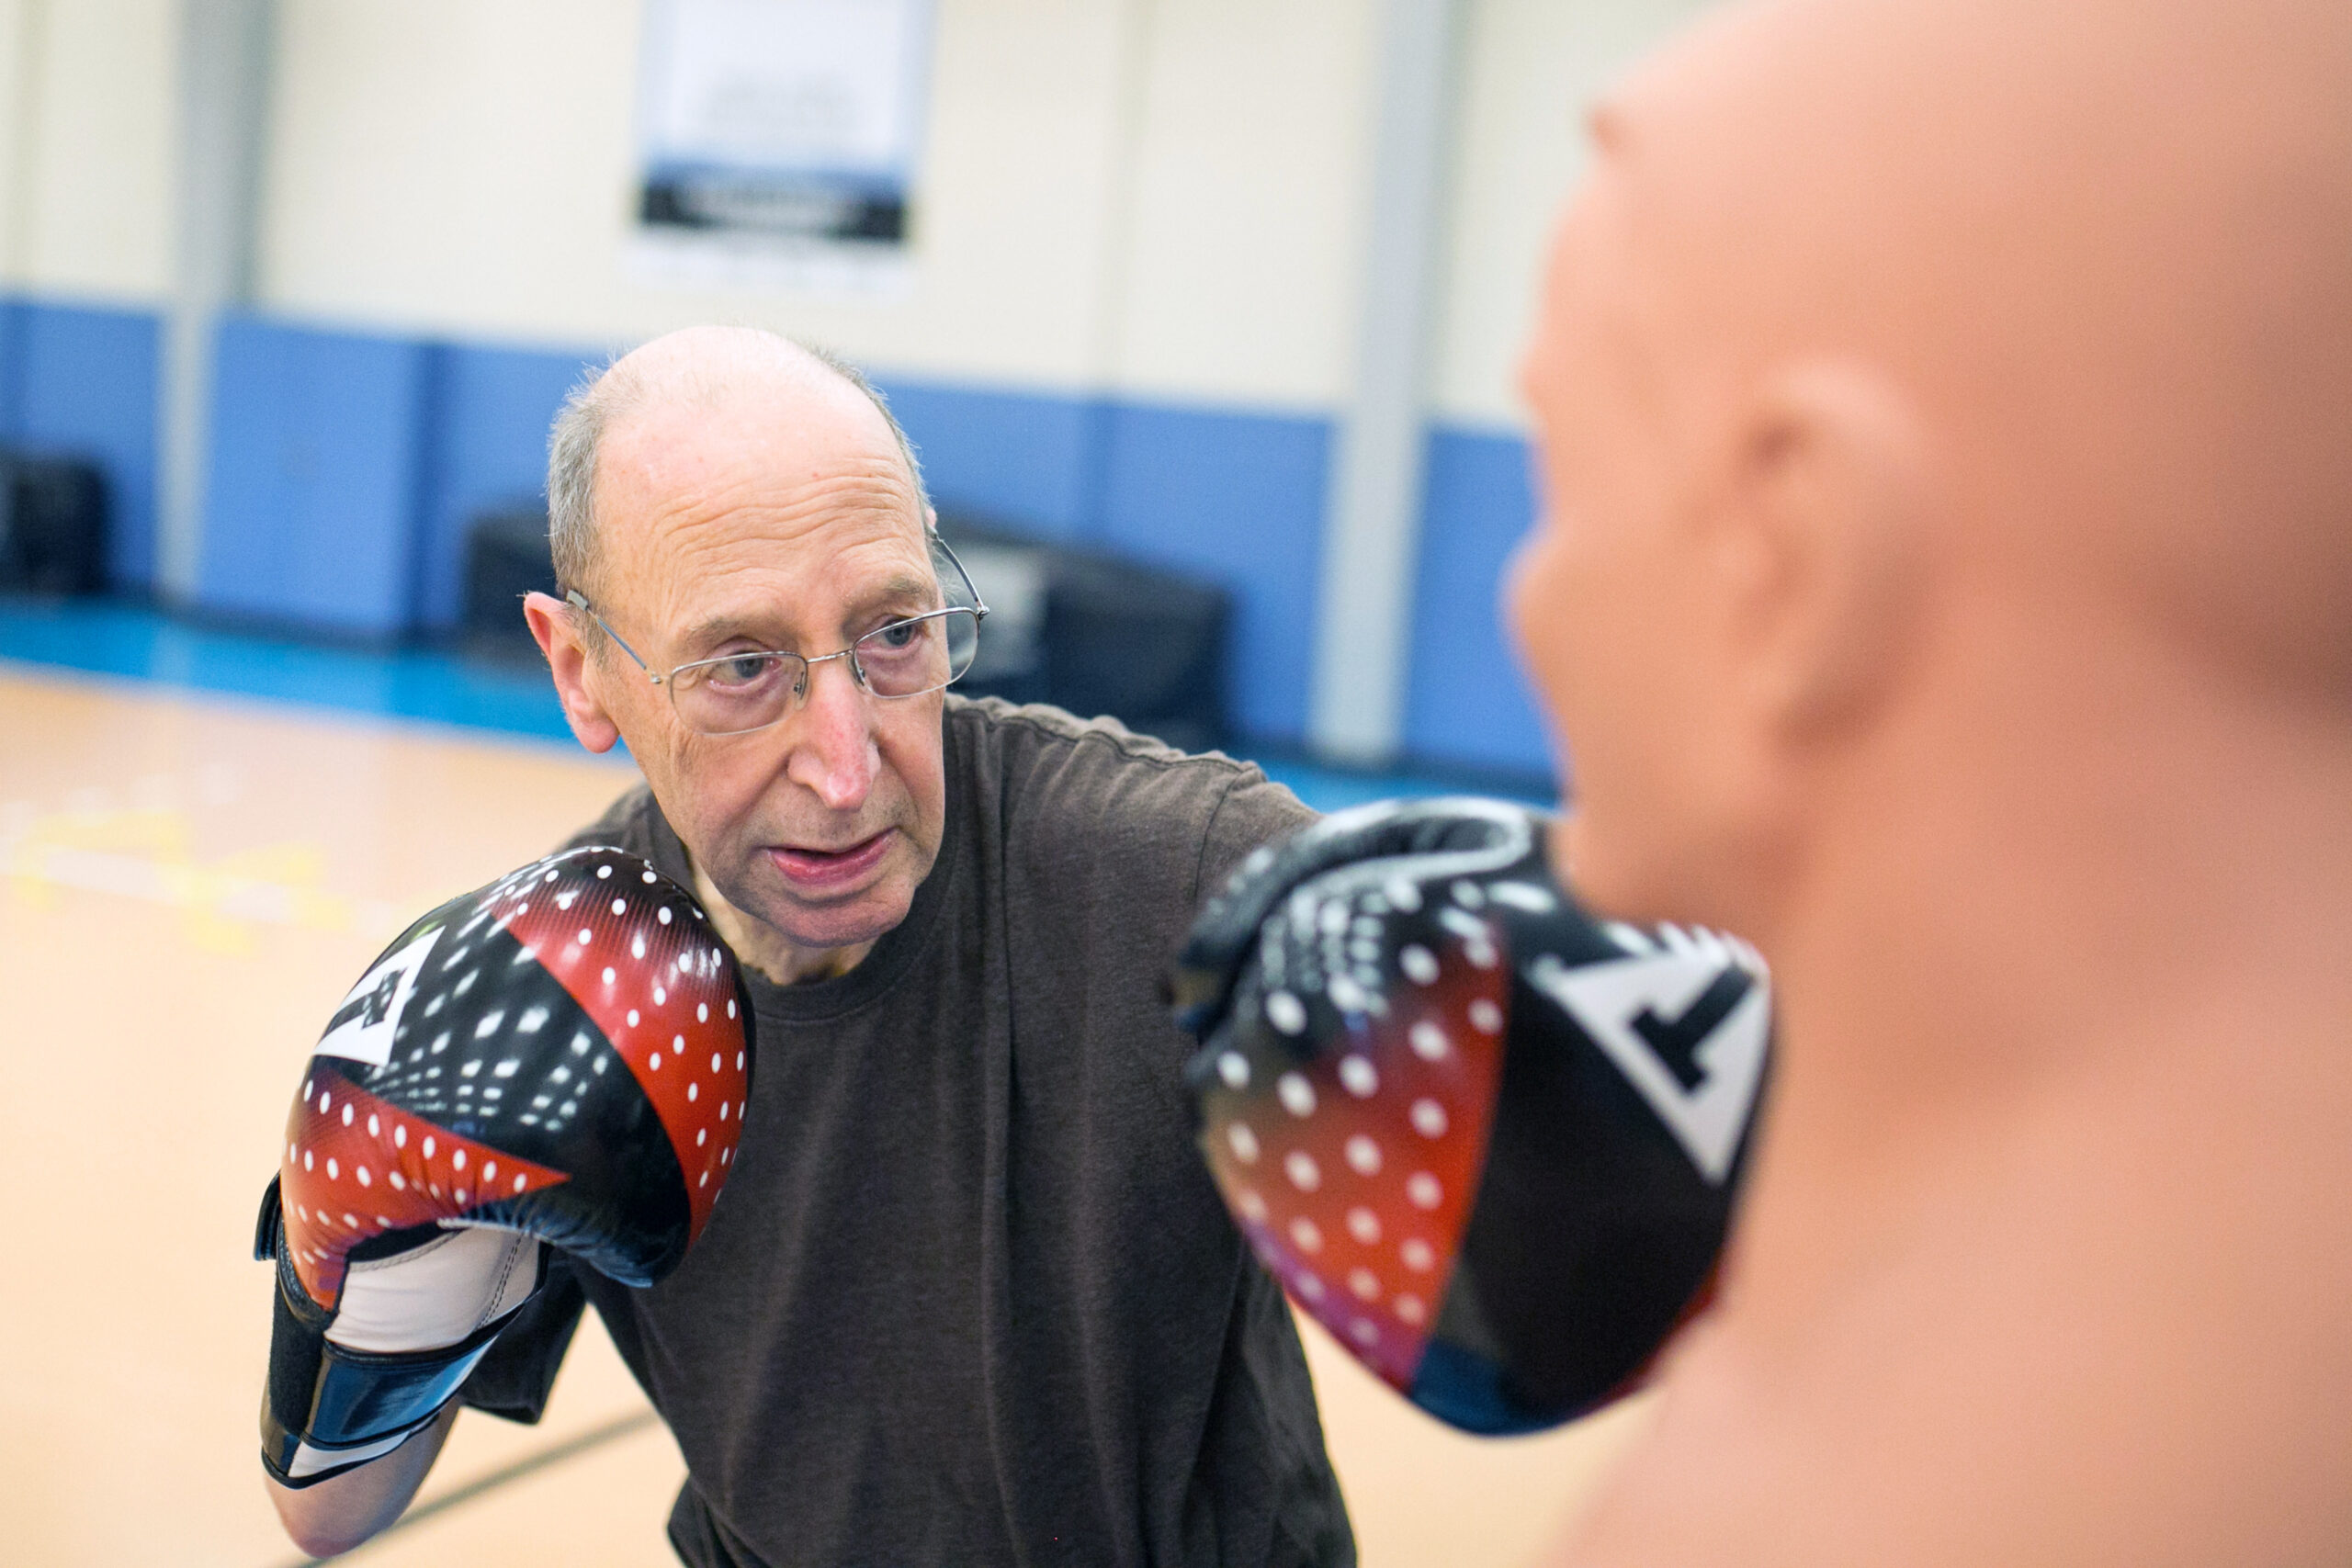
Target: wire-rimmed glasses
[737,692]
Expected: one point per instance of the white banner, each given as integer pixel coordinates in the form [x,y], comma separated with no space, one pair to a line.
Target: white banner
[777,141]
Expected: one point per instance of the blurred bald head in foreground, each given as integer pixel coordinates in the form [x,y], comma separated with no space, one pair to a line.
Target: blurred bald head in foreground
[1947,582]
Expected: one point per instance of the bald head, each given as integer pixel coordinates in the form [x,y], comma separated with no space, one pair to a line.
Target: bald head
[705,369]
[2102,247]
[1947,583]
[1905,362]
[722,496]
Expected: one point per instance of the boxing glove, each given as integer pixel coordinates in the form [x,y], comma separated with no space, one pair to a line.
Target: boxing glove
[1488,1141]
[559,1059]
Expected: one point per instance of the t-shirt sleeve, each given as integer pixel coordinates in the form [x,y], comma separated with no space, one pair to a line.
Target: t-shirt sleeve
[1254,810]
[516,1375]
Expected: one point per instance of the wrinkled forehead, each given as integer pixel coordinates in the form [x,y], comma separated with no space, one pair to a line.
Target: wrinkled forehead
[798,515]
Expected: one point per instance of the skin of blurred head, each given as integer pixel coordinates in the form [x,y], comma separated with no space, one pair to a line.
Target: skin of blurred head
[1944,580]
[1866,406]
[1602,596]
[1711,598]
[748,498]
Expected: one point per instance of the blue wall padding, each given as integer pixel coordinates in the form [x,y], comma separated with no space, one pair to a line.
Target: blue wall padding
[346,469]
[339,455]
[312,511]
[1465,700]
[1239,499]
[1017,458]
[80,380]
[486,419]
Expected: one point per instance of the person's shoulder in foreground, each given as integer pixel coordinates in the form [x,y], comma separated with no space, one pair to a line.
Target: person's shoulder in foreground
[1946,587]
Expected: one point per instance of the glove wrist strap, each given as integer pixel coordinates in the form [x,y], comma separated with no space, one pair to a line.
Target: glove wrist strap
[327,1408]
[359,1405]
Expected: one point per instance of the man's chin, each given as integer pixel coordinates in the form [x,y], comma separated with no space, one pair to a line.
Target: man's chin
[829,930]
[824,914]
[1632,877]
[831,921]
[1610,877]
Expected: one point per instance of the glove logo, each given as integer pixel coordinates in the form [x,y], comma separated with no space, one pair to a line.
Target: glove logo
[363,1027]
[1687,1026]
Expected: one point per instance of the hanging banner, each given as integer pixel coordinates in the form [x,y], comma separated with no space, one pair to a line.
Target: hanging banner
[777,141]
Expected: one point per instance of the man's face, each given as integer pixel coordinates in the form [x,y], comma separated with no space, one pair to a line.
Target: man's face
[1601,597]
[787,525]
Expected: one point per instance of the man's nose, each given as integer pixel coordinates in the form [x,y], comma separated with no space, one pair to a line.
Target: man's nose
[834,753]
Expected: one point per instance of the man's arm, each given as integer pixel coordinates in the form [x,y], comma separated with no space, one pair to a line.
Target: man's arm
[406,1244]
[339,1513]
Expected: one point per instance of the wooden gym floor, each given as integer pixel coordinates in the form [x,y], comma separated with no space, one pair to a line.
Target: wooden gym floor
[189,883]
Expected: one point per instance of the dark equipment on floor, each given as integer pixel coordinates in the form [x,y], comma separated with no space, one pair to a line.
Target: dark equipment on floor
[52,524]
[506,556]
[1084,630]
[1096,633]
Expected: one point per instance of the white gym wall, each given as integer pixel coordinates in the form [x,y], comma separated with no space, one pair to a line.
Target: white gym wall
[85,148]
[1154,201]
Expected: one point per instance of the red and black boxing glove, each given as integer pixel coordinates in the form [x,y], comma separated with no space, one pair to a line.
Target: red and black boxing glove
[563,1058]
[1488,1141]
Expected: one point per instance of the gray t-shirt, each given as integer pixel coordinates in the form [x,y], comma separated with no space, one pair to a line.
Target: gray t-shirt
[969,1297]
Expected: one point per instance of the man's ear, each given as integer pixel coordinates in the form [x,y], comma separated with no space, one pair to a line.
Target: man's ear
[567,661]
[1827,532]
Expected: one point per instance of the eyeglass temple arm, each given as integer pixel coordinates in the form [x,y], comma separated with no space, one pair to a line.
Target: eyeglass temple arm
[573,598]
[978,606]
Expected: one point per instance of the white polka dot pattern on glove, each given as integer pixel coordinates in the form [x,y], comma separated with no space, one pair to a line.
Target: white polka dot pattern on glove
[504,1053]
[1353,1172]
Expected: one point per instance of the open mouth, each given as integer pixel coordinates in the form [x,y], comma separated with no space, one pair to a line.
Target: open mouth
[831,871]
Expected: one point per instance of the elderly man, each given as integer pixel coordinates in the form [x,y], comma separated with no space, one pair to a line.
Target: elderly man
[969,1297]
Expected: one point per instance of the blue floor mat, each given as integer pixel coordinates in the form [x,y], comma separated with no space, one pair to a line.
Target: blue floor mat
[135,643]
[114,639]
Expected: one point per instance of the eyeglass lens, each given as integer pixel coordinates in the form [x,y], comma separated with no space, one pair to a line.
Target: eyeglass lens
[752,690]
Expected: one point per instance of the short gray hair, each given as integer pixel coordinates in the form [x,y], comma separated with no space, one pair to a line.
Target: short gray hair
[595,405]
